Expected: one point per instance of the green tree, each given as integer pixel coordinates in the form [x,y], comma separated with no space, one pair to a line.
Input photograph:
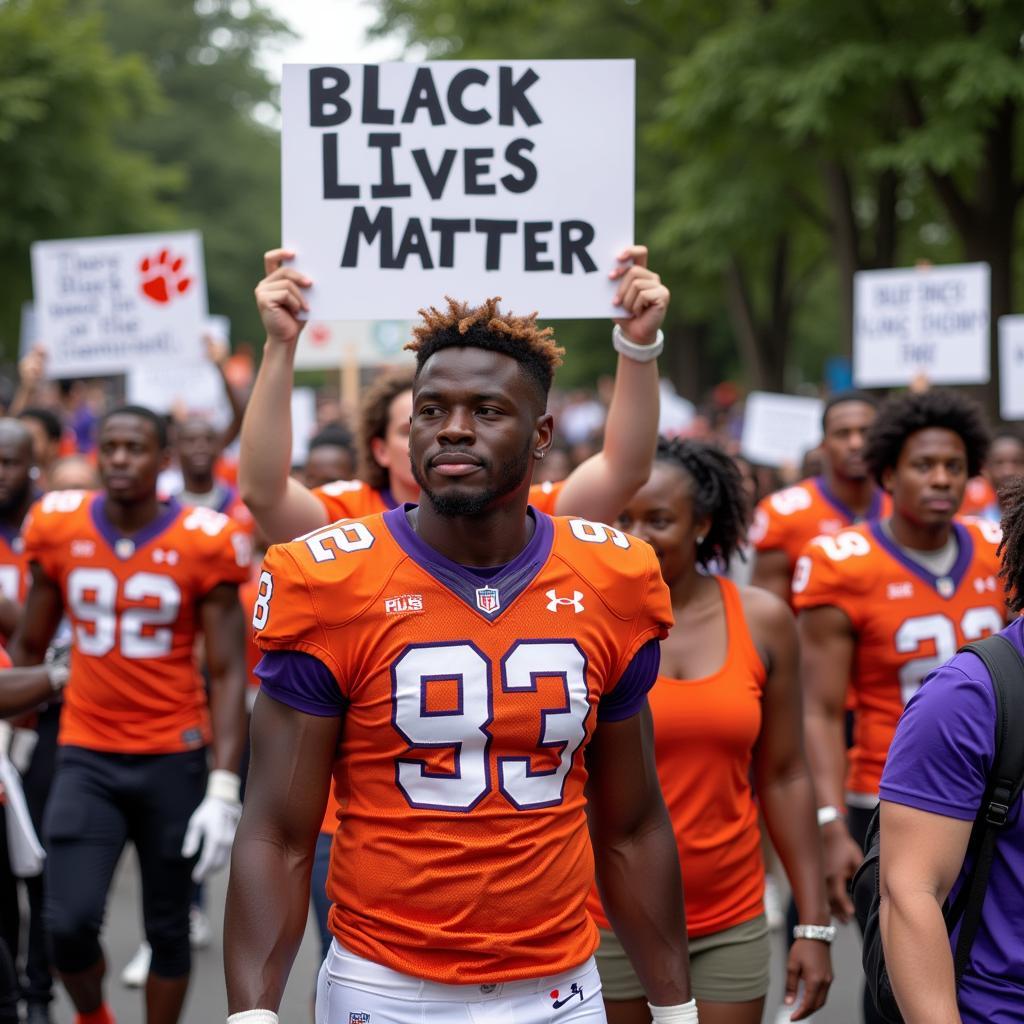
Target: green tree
[63,98]
[204,56]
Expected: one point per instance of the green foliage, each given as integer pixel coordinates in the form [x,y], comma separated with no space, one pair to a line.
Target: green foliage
[204,58]
[63,97]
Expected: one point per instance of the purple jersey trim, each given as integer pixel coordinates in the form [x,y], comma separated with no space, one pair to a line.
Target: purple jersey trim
[388,498]
[965,552]
[631,691]
[851,517]
[512,580]
[111,534]
[302,682]
[229,497]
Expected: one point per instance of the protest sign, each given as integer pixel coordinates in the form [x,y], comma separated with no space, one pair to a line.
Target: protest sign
[107,305]
[403,183]
[921,321]
[778,430]
[325,344]
[189,384]
[1011,367]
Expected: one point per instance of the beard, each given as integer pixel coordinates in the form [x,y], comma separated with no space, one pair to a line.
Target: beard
[456,503]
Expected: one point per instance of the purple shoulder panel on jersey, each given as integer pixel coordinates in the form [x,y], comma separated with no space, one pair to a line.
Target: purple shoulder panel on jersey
[302,682]
[632,688]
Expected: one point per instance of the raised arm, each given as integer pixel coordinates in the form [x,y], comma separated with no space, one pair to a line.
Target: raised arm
[268,893]
[600,487]
[44,607]
[217,352]
[282,506]
[827,644]
[783,783]
[636,857]
[773,572]
[920,857]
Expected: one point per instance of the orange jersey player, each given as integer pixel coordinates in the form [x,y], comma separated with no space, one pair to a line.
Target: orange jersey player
[138,579]
[198,444]
[843,495]
[132,604]
[452,662]
[884,603]
[446,678]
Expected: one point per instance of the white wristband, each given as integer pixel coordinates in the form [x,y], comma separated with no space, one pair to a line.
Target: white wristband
[631,350]
[683,1013]
[826,815]
[227,786]
[253,1017]
[58,676]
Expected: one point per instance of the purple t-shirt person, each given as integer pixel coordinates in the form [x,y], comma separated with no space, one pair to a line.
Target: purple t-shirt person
[939,762]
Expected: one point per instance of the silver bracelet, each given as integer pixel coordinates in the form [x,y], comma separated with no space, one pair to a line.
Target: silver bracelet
[638,353]
[821,932]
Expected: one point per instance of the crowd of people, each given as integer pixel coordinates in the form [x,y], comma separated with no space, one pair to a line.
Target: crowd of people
[528,715]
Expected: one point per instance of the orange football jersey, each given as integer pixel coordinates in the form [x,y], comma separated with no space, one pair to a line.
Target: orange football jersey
[132,603]
[353,499]
[907,621]
[791,518]
[979,495]
[462,852]
[236,510]
[13,566]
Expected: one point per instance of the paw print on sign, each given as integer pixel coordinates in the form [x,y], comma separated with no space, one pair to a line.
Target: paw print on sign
[162,277]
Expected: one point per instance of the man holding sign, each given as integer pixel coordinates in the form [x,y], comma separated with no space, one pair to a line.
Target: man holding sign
[597,489]
[414,652]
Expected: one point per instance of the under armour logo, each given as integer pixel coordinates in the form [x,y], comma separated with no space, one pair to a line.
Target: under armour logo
[554,601]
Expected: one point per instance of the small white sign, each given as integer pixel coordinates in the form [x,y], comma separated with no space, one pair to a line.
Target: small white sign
[921,321]
[1011,367]
[403,183]
[330,343]
[190,384]
[108,305]
[778,430]
[303,405]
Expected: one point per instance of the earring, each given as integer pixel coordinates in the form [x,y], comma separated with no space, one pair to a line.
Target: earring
[538,455]
[700,540]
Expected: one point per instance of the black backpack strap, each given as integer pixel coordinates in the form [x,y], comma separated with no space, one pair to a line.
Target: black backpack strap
[1006,779]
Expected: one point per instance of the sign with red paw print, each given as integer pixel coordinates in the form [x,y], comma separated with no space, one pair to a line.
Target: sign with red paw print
[116,304]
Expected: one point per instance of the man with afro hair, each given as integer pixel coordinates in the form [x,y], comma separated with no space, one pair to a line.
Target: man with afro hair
[884,603]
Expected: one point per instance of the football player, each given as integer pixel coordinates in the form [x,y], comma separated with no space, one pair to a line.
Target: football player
[844,494]
[198,446]
[138,579]
[598,488]
[451,662]
[17,492]
[883,603]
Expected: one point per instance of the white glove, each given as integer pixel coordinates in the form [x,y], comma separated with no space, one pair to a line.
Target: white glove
[213,824]
[684,1013]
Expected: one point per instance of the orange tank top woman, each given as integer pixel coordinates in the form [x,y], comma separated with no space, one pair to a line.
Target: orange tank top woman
[704,736]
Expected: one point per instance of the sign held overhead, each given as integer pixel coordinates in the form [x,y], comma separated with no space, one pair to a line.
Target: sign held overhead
[924,321]
[406,182]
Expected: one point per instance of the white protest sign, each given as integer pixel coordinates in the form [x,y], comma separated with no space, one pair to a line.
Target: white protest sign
[329,343]
[930,321]
[303,405]
[778,430]
[106,305]
[1011,367]
[191,383]
[403,183]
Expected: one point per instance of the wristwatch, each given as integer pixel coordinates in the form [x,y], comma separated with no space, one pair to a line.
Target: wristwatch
[822,932]
[826,815]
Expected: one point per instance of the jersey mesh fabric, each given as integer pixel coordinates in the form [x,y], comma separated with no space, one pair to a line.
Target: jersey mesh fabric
[704,735]
[907,622]
[462,871]
[134,686]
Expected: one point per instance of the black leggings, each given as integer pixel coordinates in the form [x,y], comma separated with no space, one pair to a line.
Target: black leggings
[99,802]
